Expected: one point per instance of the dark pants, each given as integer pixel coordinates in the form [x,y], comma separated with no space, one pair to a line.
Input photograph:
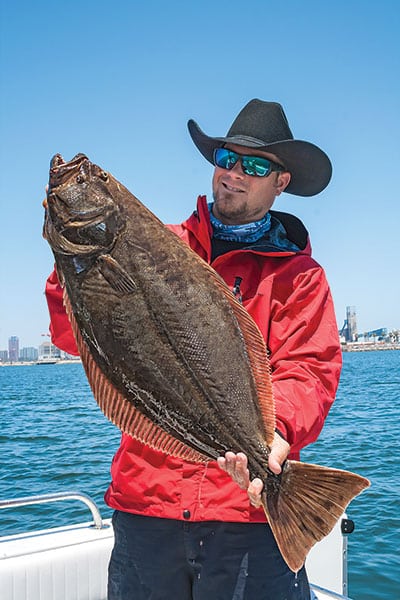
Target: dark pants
[163,559]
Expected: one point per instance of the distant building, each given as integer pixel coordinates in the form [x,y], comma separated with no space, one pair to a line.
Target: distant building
[349,332]
[48,350]
[349,329]
[13,348]
[29,354]
[4,356]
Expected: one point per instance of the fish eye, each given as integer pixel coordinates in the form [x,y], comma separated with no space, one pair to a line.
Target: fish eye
[104,175]
[80,179]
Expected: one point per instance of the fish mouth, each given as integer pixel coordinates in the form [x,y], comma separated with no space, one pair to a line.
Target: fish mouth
[77,171]
[61,171]
[74,218]
[81,215]
[58,162]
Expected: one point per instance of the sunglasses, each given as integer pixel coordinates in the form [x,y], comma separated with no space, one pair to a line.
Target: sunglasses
[257,166]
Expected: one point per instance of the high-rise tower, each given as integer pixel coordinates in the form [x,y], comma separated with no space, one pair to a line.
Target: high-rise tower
[13,348]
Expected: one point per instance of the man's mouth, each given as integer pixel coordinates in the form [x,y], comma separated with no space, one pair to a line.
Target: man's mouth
[230,188]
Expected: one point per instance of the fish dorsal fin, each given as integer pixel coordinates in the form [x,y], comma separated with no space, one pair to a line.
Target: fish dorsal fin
[120,411]
[257,353]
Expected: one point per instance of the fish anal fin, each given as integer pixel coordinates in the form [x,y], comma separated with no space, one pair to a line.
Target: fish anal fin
[304,506]
[122,412]
[116,275]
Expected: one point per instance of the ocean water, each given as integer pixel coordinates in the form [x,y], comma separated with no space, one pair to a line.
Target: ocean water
[54,438]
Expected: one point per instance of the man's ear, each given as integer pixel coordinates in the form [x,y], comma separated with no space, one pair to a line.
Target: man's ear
[282,182]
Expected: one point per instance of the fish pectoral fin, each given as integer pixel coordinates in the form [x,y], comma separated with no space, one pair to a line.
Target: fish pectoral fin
[116,275]
[304,504]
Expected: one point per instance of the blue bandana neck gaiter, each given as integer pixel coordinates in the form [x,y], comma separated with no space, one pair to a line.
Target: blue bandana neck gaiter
[248,232]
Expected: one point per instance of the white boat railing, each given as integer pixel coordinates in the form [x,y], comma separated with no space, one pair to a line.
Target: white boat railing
[56,497]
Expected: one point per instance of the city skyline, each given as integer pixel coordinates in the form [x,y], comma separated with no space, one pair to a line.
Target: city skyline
[356,328]
[32,339]
[18,353]
[14,347]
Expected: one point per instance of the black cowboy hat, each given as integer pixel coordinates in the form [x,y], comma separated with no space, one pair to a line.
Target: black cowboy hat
[264,125]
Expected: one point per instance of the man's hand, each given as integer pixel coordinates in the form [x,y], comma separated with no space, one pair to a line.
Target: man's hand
[279,452]
[236,466]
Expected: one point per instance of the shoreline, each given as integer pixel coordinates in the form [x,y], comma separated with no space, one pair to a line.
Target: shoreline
[29,363]
[349,347]
[368,347]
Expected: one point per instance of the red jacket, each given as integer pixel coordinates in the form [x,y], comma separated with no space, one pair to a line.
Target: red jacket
[288,296]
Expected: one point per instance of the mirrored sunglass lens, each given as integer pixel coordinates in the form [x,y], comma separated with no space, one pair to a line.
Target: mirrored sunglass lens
[255,165]
[224,158]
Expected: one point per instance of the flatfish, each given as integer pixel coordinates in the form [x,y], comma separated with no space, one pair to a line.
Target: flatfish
[173,359]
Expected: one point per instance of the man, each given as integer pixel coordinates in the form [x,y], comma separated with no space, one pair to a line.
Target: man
[188,531]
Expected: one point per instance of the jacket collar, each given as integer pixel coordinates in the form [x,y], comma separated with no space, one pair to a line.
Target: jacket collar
[199,225]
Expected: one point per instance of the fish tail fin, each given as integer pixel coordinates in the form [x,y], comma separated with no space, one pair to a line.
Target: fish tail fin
[304,503]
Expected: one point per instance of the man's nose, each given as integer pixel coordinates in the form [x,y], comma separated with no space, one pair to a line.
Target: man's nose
[237,169]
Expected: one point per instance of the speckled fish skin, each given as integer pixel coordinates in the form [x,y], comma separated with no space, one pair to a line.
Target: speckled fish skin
[172,358]
[150,317]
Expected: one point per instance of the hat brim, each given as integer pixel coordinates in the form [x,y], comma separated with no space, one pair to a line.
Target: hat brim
[309,166]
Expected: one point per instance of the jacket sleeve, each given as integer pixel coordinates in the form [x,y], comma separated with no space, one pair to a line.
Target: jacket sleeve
[305,357]
[60,327]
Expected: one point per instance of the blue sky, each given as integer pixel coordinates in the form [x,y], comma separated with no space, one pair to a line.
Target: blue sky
[118,81]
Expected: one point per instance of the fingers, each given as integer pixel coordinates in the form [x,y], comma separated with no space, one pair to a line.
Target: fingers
[254,492]
[279,452]
[44,203]
[274,464]
[236,466]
